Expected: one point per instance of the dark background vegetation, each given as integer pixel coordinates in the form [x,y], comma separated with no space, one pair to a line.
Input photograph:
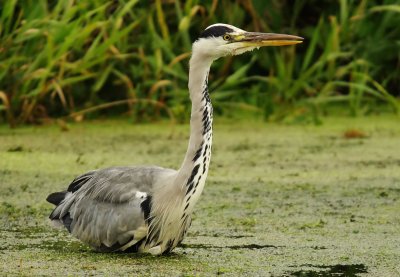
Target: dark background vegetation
[96,58]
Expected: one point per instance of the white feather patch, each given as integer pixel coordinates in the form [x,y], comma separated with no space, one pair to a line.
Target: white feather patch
[141,195]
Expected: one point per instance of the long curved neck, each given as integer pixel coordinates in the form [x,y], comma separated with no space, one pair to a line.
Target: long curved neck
[194,168]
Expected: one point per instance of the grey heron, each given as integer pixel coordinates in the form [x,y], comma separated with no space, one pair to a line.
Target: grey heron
[148,208]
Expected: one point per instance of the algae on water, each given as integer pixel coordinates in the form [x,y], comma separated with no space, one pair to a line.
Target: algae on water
[279,200]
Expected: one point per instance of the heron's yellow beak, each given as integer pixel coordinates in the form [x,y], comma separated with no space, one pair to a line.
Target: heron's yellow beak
[266,39]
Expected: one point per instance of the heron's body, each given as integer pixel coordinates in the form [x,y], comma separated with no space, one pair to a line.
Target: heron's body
[148,209]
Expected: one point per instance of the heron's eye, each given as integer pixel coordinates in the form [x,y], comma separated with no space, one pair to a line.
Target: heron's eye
[227,37]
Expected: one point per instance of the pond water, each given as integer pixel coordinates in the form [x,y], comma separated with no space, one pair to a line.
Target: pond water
[280,200]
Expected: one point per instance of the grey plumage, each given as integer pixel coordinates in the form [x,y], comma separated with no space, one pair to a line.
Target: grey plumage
[107,205]
[148,209]
[108,208]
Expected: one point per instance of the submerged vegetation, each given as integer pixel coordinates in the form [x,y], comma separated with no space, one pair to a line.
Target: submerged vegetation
[68,58]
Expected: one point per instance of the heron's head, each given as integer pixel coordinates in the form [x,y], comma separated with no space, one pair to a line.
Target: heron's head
[220,40]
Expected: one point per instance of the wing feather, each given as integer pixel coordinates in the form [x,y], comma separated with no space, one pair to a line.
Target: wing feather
[107,208]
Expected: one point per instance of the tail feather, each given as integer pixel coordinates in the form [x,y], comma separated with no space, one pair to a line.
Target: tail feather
[60,216]
[56,197]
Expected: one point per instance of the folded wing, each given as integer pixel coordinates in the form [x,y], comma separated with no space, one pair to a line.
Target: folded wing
[107,208]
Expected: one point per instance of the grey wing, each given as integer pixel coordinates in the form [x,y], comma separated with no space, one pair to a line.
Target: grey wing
[107,208]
